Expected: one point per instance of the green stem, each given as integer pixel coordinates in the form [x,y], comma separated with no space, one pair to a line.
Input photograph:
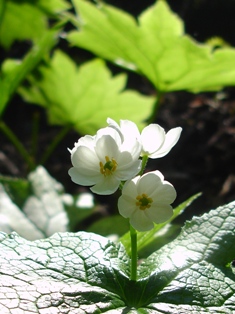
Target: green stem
[143,164]
[54,143]
[34,138]
[18,145]
[134,257]
[155,108]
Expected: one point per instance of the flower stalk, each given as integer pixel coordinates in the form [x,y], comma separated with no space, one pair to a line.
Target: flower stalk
[134,255]
[17,143]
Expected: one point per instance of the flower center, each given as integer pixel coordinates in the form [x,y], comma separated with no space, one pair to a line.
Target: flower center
[109,167]
[143,201]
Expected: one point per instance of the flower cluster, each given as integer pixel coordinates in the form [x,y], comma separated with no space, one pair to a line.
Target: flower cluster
[113,156]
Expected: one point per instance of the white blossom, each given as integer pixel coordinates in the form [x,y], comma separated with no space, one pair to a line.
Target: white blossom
[104,160]
[146,200]
[155,141]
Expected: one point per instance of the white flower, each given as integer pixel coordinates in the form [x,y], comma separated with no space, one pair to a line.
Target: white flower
[155,141]
[104,160]
[146,199]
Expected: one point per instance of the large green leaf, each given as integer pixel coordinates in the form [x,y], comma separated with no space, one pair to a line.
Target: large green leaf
[13,72]
[86,273]
[25,19]
[85,96]
[154,46]
[21,21]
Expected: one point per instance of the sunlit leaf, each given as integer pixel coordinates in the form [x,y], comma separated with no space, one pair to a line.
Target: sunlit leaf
[155,45]
[21,21]
[87,273]
[85,96]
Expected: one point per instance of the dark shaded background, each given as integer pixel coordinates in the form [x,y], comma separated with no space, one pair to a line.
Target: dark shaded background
[202,161]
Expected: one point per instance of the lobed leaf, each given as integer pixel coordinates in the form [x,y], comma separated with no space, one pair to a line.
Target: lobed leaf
[85,96]
[155,46]
[21,21]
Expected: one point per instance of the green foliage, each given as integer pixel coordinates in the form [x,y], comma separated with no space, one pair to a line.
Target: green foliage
[85,96]
[14,72]
[26,20]
[154,46]
[88,273]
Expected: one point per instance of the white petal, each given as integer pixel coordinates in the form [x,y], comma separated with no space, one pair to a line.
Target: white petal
[171,139]
[130,135]
[107,185]
[125,173]
[85,158]
[126,206]
[149,182]
[152,137]
[106,146]
[159,214]
[130,188]
[140,221]
[83,179]
[113,124]
[164,194]
[112,133]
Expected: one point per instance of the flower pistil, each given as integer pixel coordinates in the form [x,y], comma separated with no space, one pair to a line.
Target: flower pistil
[143,201]
[109,167]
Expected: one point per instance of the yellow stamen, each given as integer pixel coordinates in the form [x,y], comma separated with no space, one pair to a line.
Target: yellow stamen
[143,201]
[109,167]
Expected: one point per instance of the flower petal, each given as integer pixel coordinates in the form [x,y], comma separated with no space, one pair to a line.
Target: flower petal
[164,194]
[152,138]
[126,206]
[149,182]
[140,221]
[159,214]
[106,146]
[82,179]
[130,188]
[171,139]
[86,159]
[106,186]
[124,173]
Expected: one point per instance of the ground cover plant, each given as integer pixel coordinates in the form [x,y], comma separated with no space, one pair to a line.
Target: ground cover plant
[137,259]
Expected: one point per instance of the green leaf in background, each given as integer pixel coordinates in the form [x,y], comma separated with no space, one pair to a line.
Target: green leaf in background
[85,96]
[53,6]
[87,273]
[21,21]
[154,46]
[13,72]
[26,20]
[161,233]
[17,188]
[113,226]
